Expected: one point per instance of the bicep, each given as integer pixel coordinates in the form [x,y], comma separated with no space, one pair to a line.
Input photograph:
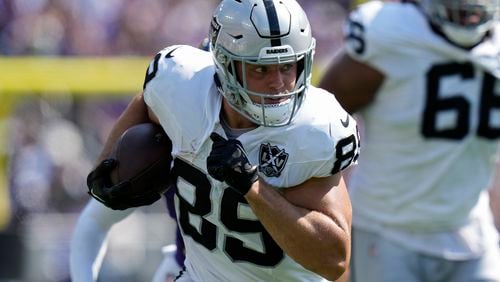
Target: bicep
[353,83]
[135,113]
[327,195]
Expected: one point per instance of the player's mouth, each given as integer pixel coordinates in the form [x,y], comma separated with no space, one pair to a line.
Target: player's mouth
[274,100]
[277,98]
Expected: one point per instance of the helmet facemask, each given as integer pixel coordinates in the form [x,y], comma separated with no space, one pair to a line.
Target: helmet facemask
[239,96]
[464,22]
[245,41]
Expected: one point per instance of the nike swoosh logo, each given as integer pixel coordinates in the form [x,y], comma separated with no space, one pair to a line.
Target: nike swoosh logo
[169,54]
[346,122]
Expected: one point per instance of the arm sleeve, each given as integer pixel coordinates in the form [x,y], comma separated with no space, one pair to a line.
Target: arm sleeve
[89,240]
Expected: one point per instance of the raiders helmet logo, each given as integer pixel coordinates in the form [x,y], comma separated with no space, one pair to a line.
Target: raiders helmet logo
[272,160]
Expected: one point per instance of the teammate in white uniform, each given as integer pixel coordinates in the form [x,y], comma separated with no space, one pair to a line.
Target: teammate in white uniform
[424,79]
[258,152]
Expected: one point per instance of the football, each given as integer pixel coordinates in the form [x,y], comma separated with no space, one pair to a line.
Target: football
[143,154]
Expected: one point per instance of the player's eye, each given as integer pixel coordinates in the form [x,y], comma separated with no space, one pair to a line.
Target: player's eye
[286,67]
[260,69]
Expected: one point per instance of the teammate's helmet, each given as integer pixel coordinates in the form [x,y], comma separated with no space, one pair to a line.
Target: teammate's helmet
[261,32]
[464,22]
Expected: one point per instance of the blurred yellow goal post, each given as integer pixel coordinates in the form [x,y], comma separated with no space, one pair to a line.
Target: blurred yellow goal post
[21,77]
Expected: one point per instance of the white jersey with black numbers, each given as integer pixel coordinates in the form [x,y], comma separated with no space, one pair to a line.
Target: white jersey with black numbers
[431,132]
[223,237]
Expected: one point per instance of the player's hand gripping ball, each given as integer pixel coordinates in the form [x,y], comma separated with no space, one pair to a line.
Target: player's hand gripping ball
[137,172]
[228,162]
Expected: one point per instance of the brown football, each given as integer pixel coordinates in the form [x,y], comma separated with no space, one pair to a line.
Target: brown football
[143,152]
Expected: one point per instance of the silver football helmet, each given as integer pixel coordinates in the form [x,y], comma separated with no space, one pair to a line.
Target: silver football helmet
[464,22]
[261,32]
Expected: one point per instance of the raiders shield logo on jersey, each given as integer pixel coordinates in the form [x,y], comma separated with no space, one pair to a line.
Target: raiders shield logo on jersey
[272,160]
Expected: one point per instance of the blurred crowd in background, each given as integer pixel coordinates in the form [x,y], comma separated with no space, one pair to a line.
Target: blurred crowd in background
[52,141]
[129,27]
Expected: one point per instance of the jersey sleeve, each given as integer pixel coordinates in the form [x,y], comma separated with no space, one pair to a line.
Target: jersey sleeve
[324,142]
[380,33]
[360,41]
[341,143]
[176,89]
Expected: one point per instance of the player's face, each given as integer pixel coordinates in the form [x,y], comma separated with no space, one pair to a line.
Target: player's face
[464,15]
[269,79]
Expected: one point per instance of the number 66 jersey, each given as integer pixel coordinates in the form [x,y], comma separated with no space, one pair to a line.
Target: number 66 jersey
[431,133]
[223,237]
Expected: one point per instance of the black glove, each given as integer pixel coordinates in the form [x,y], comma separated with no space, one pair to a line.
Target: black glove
[119,196]
[228,162]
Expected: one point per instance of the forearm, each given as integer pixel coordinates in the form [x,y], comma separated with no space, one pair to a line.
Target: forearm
[135,113]
[318,241]
[88,242]
[88,247]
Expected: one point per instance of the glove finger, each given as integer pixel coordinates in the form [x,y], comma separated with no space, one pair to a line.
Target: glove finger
[97,186]
[143,200]
[105,166]
[118,206]
[216,161]
[239,146]
[93,180]
[216,138]
[122,197]
[216,172]
[122,189]
[217,157]
[224,150]
[99,197]
[103,169]
[235,142]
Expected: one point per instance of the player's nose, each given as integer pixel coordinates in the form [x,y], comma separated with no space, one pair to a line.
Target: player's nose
[276,79]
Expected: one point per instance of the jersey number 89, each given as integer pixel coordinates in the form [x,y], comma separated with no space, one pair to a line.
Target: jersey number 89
[206,233]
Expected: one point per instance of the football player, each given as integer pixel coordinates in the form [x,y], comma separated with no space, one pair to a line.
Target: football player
[423,77]
[258,152]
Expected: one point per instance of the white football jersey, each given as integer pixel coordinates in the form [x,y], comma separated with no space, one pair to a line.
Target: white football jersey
[433,128]
[223,237]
